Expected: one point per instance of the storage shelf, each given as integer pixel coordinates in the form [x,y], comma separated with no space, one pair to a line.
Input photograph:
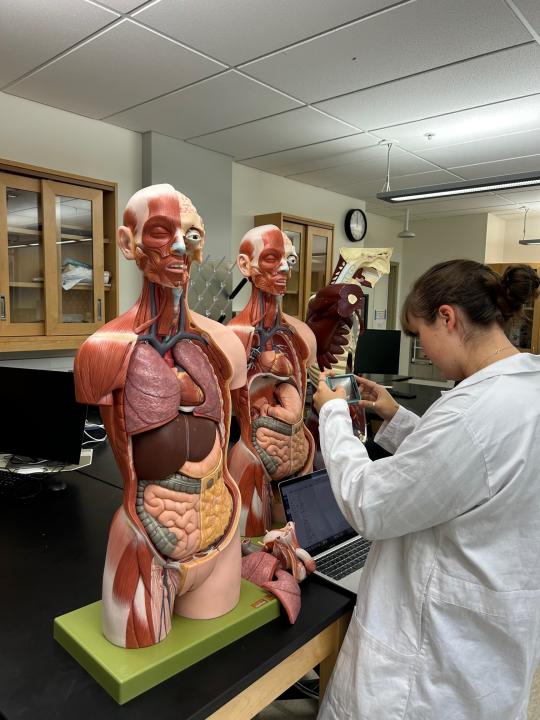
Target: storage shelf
[79,286]
[37,233]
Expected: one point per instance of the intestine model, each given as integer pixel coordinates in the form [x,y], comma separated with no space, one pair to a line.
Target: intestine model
[274,441]
[162,376]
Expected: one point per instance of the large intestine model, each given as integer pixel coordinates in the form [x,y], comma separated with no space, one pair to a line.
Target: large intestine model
[274,441]
[162,375]
[335,314]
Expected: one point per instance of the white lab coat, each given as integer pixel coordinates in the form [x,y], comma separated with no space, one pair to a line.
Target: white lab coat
[447,620]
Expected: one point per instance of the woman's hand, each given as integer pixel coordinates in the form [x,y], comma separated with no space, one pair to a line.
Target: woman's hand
[377,399]
[323,393]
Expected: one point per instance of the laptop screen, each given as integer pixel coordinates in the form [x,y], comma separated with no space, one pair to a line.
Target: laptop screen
[309,502]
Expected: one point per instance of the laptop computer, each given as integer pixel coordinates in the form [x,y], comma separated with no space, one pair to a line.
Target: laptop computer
[339,551]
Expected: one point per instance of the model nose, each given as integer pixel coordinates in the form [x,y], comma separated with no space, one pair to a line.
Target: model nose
[178,247]
[284,267]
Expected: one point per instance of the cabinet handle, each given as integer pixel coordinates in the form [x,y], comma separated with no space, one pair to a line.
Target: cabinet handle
[99,314]
[2,307]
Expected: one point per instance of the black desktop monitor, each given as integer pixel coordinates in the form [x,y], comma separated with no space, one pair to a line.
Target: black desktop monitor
[377,353]
[40,418]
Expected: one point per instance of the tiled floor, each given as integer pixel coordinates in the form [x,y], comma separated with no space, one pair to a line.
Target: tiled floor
[307,709]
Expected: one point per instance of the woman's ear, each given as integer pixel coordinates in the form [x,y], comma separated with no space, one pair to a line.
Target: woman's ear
[449,316]
[125,242]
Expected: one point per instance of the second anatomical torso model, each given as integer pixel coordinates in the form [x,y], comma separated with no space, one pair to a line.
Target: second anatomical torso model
[274,442]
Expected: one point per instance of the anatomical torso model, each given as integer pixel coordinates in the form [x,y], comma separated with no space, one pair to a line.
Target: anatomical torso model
[162,377]
[274,442]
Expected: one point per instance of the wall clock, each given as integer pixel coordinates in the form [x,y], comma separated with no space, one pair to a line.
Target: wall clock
[355,225]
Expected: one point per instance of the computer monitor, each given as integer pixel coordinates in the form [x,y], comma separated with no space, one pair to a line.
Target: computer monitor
[377,352]
[40,418]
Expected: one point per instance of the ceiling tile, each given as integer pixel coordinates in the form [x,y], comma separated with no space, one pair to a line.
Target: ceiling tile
[522,196]
[288,130]
[123,6]
[502,118]
[311,157]
[33,32]
[235,31]
[471,83]
[531,12]
[213,104]
[488,150]
[369,164]
[407,39]
[112,72]
[530,163]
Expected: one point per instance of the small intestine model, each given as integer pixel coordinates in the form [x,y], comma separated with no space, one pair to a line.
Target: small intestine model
[336,316]
[162,375]
[274,441]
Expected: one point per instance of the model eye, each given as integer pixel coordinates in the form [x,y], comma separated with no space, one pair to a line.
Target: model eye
[193,236]
[159,232]
[292,260]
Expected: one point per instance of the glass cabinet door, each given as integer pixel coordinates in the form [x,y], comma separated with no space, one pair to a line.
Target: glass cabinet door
[74,270]
[292,300]
[22,304]
[318,261]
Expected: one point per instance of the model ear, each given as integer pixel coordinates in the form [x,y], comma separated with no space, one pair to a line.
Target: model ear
[244,265]
[125,242]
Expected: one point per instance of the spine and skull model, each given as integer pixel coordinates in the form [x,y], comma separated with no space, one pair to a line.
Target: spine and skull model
[274,441]
[162,376]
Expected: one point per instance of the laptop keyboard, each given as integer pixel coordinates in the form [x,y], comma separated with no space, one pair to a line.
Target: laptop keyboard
[344,561]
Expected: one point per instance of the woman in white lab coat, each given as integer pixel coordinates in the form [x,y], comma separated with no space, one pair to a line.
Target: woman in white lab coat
[447,620]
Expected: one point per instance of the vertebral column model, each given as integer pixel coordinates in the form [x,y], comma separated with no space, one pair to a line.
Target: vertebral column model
[274,442]
[162,377]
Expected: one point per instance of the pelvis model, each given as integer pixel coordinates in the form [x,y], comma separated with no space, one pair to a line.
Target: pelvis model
[274,441]
[162,376]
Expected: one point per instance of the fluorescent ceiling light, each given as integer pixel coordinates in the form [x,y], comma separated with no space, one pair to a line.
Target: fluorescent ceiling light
[530,242]
[465,187]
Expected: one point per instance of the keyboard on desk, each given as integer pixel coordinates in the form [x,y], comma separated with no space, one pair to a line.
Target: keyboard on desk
[344,560]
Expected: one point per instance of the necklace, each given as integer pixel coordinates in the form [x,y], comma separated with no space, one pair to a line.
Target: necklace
[495,352]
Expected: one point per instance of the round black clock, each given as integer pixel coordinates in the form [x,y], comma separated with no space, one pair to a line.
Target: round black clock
[355,225]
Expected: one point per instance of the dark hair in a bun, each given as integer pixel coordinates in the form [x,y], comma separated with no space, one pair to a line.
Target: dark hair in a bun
[483,295]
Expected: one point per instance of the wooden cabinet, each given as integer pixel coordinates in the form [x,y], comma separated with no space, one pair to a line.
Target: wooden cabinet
[524,333]
[313,240]
[58,270]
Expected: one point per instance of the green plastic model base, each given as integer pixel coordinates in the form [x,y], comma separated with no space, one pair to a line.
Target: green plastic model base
[127,673]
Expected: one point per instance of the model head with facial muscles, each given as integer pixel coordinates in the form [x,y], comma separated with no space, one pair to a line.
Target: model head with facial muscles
[266,256]
[163,233]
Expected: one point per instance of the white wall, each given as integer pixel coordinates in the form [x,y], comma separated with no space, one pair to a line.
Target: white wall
[39,135]
[204,176]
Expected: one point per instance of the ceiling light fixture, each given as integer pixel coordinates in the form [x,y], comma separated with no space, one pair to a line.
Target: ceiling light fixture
[465,187]
[406,233]
[532,241]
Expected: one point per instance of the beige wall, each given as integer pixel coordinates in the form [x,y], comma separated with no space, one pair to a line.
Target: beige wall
[438,240]
[39,135]
[513,251]
[495,233]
